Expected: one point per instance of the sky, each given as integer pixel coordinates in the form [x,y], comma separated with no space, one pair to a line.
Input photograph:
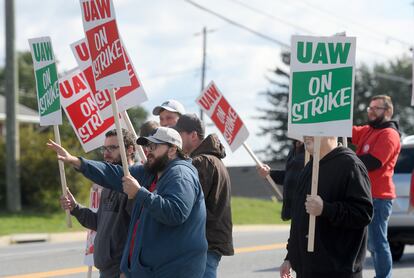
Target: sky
[164,42]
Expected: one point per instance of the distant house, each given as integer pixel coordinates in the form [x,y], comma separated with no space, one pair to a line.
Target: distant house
[25,115]
[246,182]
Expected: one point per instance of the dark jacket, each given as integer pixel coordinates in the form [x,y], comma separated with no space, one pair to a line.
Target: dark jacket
[341,229]
[289,178]
[111,223]
[170,238]
[216,185]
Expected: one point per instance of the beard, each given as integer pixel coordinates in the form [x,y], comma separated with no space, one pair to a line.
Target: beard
[158,164]
[377,121]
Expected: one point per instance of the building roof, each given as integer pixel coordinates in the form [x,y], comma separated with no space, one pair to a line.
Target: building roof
[24,113]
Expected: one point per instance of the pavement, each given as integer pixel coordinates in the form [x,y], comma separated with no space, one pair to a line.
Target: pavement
[81,235]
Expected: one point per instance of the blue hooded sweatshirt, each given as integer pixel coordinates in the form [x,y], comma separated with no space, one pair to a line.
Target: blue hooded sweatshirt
[170,238]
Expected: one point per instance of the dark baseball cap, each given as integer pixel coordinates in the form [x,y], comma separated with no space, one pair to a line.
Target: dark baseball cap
[190,123]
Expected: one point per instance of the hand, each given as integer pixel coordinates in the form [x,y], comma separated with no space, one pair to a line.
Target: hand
[130,186]
[122,275]
[314,205]
[63,154]
[285,270]
[68,201]
[263,170]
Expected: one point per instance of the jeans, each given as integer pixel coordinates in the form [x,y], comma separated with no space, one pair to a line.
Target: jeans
[213,260]
[377,238]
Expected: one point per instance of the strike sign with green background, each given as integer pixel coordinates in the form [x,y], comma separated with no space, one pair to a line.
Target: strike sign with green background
[321,86]
[47,84]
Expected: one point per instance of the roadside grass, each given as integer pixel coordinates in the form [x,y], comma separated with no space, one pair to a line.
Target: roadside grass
[245,211]
[35,222]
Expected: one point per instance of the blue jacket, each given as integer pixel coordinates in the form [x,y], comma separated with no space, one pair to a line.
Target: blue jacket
[170,239]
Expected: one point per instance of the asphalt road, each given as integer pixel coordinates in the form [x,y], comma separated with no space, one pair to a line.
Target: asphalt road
[258,254]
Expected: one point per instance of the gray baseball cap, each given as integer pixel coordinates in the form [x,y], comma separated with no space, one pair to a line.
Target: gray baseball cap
[162,135]
[170,105]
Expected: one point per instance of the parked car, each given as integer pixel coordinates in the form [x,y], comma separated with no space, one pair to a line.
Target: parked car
[401,222]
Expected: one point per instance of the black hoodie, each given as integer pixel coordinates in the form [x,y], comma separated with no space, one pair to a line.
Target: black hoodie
[341,229]
[216,185]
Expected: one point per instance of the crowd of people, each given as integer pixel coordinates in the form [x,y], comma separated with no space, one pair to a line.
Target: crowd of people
[171,216]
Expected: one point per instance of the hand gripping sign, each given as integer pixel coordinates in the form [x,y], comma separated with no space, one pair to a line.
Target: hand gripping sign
[321,95]
[108,61]
[213,103]
[47,87]
[82,111]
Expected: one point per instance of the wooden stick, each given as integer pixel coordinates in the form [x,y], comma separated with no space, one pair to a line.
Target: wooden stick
[119,133]
[128,123]
[345,142]
[279,195]
[314,190]
[62,175]
[307,157]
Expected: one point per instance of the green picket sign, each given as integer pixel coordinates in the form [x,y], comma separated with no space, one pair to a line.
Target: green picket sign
[47,82]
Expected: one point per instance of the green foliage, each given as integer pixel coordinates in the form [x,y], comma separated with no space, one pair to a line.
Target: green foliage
[39,171]
[36,222]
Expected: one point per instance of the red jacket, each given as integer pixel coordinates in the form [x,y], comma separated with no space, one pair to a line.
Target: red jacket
[384,145]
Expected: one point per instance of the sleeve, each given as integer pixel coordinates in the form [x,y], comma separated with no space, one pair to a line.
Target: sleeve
[108,175]
[388,140]
[86,217]
[213,182]
[206,180]
[356,134]
[356,209]
[278,176]
[175,204]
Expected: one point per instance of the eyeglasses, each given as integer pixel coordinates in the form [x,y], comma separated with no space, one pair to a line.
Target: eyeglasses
[109,148]
[375,108]
[152,146]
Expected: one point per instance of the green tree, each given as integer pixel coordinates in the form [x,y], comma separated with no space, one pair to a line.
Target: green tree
[40,179]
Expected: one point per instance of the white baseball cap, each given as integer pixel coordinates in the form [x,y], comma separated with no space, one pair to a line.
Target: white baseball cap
[169,105]
[162,135]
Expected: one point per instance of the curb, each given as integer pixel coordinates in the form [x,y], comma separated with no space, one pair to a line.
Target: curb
[81,235]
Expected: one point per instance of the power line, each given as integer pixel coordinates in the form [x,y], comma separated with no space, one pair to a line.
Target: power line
[253,9]
[239,25]
[358,24]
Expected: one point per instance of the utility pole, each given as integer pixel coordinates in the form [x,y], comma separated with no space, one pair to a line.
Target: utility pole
[203,66]
[12,128]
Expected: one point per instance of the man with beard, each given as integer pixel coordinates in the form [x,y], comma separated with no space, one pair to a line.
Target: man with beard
[166,237]
[206,154]
[378,146]
[112,218]
[343,209]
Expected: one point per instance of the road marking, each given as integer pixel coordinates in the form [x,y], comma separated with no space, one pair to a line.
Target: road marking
[54,273]
[259,248]
[84,269]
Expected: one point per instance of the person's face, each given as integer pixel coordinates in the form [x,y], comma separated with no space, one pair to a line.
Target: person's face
[376,110]
[187,141]
[308,141]
[111,152]
[168,118]
[157,158]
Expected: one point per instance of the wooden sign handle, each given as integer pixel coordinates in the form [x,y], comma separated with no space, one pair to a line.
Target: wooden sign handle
[279,195]
[121,143]
[62,175]
[314,190]
[128,123]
